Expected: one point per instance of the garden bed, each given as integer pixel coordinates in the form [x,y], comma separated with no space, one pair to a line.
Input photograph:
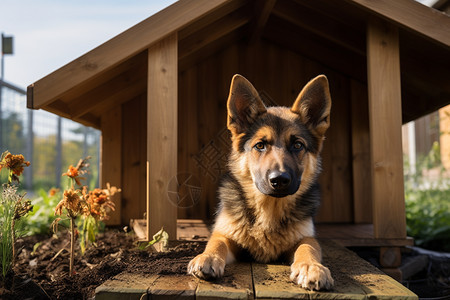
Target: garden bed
[44,273]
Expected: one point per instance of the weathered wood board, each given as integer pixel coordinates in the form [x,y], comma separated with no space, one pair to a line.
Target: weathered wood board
[236,284]
[354,278]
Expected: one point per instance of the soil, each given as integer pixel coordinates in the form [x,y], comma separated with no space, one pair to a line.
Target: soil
[44,274]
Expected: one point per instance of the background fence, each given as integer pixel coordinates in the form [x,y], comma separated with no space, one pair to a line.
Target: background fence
[49,142]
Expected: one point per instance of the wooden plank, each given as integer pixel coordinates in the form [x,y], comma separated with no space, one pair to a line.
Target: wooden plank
[272,282]
[173,287]
[122,88]
[188,138]
[209,156]
[111,158]
[355,235]
[134,156]
[162,134]
[385,116]
[89,120]
[360,135]
[192,230]
[346,266]
[340,140]
[125,286]
[235,284]
[187,230]
[210,18]
[212,33]
[120,48]
[262,11]
[333,30]
[415,17]
[219,44]
[327,53]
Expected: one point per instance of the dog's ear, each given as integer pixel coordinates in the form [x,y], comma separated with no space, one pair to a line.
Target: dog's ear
[313,104]
[244,105]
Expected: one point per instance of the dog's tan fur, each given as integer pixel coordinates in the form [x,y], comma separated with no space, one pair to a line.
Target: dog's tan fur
[276,227]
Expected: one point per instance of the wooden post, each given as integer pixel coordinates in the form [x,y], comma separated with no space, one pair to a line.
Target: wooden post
[385,117]
[162,113]
[111,159]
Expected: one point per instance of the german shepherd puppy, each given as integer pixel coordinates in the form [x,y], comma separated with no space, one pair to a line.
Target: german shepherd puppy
[270,194]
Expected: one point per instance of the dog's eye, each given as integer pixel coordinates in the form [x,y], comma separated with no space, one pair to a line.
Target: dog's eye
[260,146]
[297,145]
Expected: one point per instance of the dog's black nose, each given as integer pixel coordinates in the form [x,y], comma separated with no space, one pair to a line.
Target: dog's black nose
[279,180]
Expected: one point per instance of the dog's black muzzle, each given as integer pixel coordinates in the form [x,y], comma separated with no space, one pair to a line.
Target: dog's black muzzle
[279,184]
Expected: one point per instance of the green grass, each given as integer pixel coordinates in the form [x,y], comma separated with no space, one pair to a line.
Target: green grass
[8,198]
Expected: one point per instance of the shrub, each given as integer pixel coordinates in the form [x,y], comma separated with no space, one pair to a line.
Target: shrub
[428,203]
[39,221]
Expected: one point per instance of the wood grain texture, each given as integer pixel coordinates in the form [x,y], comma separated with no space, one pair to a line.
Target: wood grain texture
[134,157]
[125,286]
[354,277]
[362,182]
[426,21]
[385,117]
[173,287]
[111,158]
[162,114]
[236,284]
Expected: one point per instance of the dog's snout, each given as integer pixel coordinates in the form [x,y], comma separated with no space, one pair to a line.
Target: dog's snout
[279,180]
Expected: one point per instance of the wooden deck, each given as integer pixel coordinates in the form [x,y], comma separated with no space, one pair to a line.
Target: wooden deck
[354,279]
[347,235]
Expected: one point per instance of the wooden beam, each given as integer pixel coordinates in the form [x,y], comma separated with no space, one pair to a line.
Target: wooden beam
[323,51]
[413,16]
[111,158]
[385,117]
[210,18]
[90,120]
[123,86]
[120,48]
[262,11]
[212,33]
[110,94]
[328,28]
[162,135]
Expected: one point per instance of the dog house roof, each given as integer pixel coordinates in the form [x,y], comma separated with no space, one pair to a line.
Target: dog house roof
[332,32]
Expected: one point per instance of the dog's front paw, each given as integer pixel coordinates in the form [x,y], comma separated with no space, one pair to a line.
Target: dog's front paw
[313,276]
[206,266]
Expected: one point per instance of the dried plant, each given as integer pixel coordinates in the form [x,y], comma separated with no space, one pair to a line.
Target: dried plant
[15,164]
[74,205]
[89,207]
[74,173]
[13,208]
[99,204]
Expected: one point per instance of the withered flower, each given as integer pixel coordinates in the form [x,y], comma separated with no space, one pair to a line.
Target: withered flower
[15,164]
[22,208]
[80,169]
[99,202]
[72,202]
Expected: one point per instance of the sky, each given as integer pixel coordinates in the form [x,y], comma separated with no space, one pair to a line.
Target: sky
[51,33]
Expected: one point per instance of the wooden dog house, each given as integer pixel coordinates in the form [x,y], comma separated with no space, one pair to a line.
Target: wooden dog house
[158,93]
